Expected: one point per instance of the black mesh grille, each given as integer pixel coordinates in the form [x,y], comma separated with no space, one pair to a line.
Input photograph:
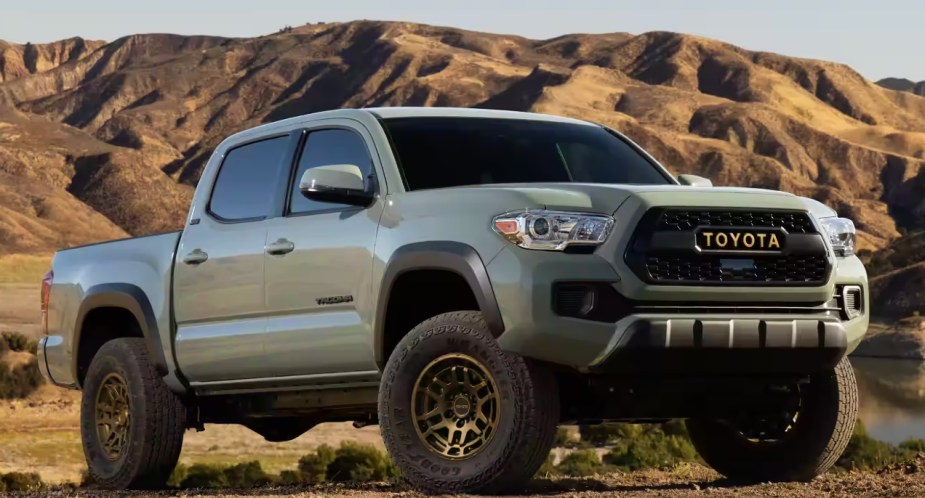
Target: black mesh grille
[663,249]
[704,268]
[685,219]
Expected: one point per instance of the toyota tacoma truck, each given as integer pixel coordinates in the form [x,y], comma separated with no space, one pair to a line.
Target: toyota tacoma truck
[467,280]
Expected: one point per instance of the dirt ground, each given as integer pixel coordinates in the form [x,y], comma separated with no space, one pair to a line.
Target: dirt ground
[687,481]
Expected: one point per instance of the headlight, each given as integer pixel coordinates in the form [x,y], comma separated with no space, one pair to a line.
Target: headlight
[841,234]
[553,230]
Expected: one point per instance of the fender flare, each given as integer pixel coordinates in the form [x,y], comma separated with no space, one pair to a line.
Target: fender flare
[132,299]
[456,257]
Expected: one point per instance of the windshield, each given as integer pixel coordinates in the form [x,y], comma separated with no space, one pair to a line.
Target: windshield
[437,152]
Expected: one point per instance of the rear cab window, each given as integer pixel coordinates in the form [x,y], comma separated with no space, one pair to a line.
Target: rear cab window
[247,180]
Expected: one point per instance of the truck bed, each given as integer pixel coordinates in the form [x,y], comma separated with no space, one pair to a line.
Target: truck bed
[141,267]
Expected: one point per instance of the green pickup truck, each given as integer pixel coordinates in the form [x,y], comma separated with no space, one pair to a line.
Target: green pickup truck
[468,280]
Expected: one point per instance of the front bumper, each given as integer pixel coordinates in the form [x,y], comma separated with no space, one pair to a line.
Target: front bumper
[735,340]
[713,345]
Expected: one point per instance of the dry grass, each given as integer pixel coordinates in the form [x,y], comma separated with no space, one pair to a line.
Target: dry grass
[19,308]
[42,434]
[23,268]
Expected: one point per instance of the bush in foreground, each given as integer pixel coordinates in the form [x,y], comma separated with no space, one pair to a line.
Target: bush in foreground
[201,475]
[18,481]
[14,341]
[581,463]
[866,453]
[360,463]
[313,467]
[247,475]
[635,446]
[19,381]
[651,447]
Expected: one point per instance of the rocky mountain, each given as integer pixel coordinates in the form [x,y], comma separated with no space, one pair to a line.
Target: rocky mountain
[903,85]
[99,140]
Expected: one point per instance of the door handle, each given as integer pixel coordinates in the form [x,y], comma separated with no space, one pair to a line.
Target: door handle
[198,256]
[280,247]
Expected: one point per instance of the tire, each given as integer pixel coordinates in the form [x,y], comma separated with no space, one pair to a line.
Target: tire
[156,419]
[526,418]
[826,418]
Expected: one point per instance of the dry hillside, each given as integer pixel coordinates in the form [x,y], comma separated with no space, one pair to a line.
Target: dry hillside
[98,140]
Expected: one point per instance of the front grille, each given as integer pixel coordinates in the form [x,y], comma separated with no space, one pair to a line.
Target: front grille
[664,249]
[681,220]
[703,268]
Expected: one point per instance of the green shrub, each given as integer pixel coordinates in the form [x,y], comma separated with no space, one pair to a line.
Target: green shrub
[360,463]
[200,475]
[563,438]
[18,342]
[290,477]
[604,434]
[548,469]
[19,381]
[866,453]
[580,463]
[313,467]
[652,449]
[180,472]
[246,475]
[913,446]
[4,347]
[18,481]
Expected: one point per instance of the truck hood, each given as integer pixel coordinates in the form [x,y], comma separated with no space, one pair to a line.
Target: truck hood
[606,198]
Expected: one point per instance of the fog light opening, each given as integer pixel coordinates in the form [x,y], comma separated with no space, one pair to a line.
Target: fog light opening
[852,301]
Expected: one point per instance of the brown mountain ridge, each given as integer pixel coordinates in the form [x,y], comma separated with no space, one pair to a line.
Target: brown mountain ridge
[98,140]
[903,85]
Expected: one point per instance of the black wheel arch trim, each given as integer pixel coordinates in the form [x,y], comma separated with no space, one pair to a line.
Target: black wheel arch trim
[132,299]
[457,257]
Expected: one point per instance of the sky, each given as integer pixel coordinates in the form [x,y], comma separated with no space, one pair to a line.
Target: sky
[879,38]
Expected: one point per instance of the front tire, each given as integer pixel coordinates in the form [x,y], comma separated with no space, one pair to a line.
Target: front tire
[819,433]
[131,424]
[459,415]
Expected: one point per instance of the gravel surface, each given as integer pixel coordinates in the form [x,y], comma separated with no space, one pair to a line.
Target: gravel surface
[686,481]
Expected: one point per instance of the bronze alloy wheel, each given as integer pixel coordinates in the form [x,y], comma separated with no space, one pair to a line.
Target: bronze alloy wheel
[456,406]
[113,415]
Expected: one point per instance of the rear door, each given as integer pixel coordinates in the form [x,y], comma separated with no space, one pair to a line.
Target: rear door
[219,301]
[319,302]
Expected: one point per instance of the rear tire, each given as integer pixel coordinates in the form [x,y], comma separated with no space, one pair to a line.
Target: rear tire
[131,424]
[518,399]
[819,434]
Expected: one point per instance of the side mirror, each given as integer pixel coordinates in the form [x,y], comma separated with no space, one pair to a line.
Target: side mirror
[336,183]
[694,181]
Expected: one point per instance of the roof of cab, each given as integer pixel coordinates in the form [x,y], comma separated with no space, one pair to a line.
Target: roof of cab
[394,112]
[465,112]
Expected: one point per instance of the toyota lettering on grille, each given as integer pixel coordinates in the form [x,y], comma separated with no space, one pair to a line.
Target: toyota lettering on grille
[716,239]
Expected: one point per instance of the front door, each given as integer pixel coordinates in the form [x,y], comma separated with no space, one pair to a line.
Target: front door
[319,266]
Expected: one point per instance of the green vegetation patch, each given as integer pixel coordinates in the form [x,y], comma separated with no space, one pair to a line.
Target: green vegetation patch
[866,453]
